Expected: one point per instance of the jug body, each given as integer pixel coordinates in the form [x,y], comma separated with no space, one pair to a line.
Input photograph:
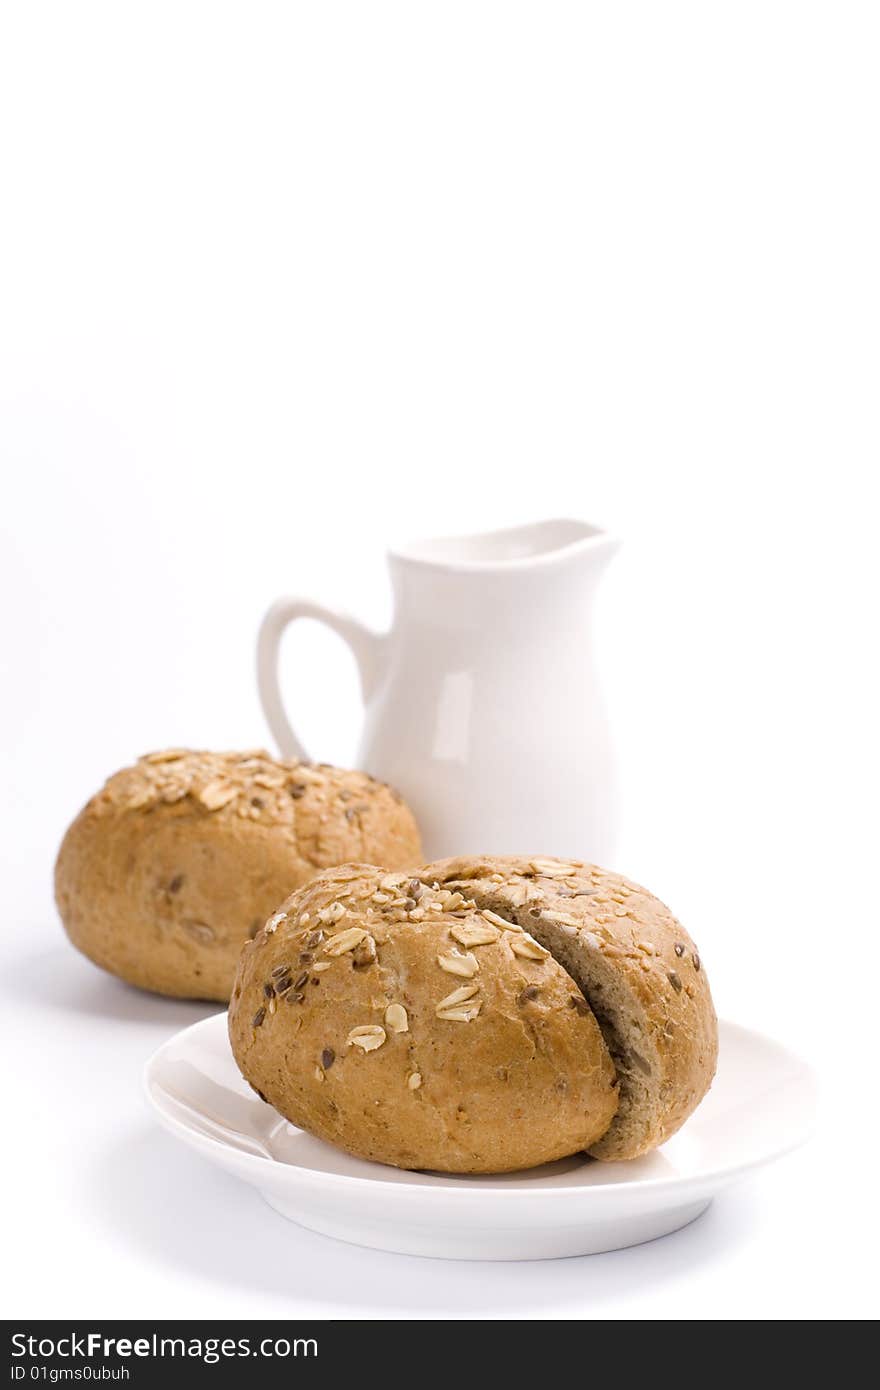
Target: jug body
[488,715]
[482,704]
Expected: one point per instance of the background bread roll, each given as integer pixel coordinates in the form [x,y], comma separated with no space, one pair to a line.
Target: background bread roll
[179,860]
[406,1026]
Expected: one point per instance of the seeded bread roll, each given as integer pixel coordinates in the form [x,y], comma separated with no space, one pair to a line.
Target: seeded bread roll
[407,1026]
[635,964]
[178,860]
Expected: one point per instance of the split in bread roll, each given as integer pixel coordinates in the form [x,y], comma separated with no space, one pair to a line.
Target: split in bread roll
[478,1015]
[179,859]
[637,967]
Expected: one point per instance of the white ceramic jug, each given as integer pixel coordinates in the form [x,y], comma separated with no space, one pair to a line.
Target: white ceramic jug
[482,704]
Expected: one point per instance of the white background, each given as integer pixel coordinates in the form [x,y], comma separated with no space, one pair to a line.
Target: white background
[279,283]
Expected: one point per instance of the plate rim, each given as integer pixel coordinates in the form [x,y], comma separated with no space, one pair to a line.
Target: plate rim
[256,1163]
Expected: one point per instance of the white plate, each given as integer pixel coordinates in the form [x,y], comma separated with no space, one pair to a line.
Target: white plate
[760,1106]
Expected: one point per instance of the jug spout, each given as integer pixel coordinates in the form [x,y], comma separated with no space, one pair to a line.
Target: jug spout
[521,574]
[540,546]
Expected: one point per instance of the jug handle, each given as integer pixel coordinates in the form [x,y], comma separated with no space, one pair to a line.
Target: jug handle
[366,645]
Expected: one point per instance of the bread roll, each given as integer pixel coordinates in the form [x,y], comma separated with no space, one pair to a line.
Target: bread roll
[636,965]
[179,859]
[405,1025]
[479,1016]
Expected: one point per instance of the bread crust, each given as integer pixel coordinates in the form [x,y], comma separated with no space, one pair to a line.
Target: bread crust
[399,1022]
[639,969]
[169,869]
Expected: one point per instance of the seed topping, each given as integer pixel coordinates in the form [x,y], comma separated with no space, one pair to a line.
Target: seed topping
[397,1018]
[564,919]
[392,881]
[458,996]
[332,912]
[500,922]
[456,964]
[551,868]
[365,954]
[308,774]
[451,902]
[527,949]
[164,755]
[464,1014]
[368,1036]
[216,794]
[467,935]
[460,1006]
[345,941]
